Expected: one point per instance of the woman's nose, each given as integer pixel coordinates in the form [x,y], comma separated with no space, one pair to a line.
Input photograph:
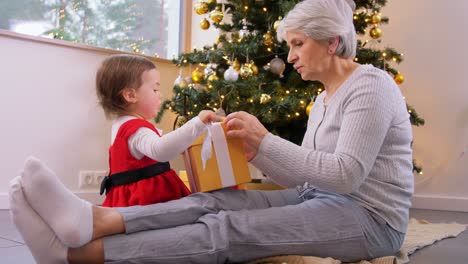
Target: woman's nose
[291,56]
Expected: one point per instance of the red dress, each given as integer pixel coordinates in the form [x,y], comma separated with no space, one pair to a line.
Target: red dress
[159,188]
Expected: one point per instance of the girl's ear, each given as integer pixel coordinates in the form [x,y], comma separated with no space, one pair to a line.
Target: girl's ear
[130,95]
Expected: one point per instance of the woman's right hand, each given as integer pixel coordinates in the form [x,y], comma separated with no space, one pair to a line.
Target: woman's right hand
[247,127]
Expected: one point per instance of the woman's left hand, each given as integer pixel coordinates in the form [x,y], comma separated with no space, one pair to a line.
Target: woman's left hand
[246,127]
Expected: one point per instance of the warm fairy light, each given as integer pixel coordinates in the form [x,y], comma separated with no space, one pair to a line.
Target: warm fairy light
[265,9]
[222,96]
[384,54]
[401,54]
[366,20]
[170,108]
[246,7]
[302,102]
[289,116]
[355,59]
[421,173]
[214,109]
[297,114]
[355,17]
[409,111]
[207,104]
[195,105]
[287,91]
[210,86]
[251,100]
[394,59]
[269,49]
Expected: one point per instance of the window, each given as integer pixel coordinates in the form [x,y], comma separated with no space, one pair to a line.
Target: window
[149,27]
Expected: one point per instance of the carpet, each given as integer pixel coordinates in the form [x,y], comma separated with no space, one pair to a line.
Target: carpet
[419,235]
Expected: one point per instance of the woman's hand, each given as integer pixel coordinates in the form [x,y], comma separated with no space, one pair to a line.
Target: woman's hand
[207,116]
[246,127]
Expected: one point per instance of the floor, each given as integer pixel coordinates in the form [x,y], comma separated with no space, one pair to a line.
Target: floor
[451,250]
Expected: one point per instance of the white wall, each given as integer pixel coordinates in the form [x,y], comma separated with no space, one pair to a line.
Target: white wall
[49,109]
[433,35]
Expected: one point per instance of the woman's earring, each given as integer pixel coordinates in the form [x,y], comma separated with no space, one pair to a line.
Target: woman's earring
[330,51]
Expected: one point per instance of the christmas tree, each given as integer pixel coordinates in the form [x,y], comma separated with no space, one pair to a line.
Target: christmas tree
[245,69]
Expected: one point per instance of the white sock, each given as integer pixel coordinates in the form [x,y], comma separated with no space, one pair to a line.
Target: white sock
[45,247]
[70,217]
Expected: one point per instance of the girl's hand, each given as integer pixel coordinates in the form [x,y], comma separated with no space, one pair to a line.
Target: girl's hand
[246,127]
[207,116]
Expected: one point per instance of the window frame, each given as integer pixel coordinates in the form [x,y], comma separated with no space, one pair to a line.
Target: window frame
[184,36]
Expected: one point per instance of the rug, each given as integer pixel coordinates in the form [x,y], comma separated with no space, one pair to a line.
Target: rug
[420,234]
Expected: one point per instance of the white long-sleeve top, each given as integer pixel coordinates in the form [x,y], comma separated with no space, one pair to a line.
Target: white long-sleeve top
[358,145]
[145,142]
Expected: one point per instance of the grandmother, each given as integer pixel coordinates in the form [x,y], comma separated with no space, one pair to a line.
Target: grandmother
[353,172]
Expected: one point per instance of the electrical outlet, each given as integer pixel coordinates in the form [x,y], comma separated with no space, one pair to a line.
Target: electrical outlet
[91,179]
[86,179]
[99,176]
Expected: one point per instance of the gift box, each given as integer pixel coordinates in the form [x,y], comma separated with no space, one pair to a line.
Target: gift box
[226,167]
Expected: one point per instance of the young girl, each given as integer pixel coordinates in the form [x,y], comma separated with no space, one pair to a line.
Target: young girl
[128,89]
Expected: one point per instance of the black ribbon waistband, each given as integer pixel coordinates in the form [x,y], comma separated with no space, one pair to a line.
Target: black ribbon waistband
[131,176]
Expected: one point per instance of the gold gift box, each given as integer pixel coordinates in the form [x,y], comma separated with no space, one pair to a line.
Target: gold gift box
[209,179]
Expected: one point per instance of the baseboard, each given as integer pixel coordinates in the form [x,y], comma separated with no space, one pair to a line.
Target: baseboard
[443,203]
[91,196]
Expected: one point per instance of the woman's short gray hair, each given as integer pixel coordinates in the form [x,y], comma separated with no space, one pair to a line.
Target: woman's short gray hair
[323,20]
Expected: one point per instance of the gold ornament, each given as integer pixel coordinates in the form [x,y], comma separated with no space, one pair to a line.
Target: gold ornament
[254,68]
[197,75]
[201,8]
[309,107]
[213,77]
[276,24]
[245,71]
[375,19]
[375,32]
[399,78]
[205,24]
[236,65]
[217,15]
[265,98]
[210,1]
[268,39]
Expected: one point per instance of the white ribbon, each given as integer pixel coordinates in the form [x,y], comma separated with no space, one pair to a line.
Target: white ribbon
[216,135]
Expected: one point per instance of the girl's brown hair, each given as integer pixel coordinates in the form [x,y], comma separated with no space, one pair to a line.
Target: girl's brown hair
[116,73]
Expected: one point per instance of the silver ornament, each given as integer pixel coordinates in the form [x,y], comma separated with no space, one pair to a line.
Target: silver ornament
[231,74]
[179,81]
[277,66]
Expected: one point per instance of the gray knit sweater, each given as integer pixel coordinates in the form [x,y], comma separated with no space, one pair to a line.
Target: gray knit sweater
[358,145]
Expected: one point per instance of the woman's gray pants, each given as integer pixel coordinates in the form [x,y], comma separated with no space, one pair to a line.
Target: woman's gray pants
[236,226]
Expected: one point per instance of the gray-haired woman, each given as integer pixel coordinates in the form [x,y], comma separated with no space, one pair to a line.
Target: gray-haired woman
[354,168]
